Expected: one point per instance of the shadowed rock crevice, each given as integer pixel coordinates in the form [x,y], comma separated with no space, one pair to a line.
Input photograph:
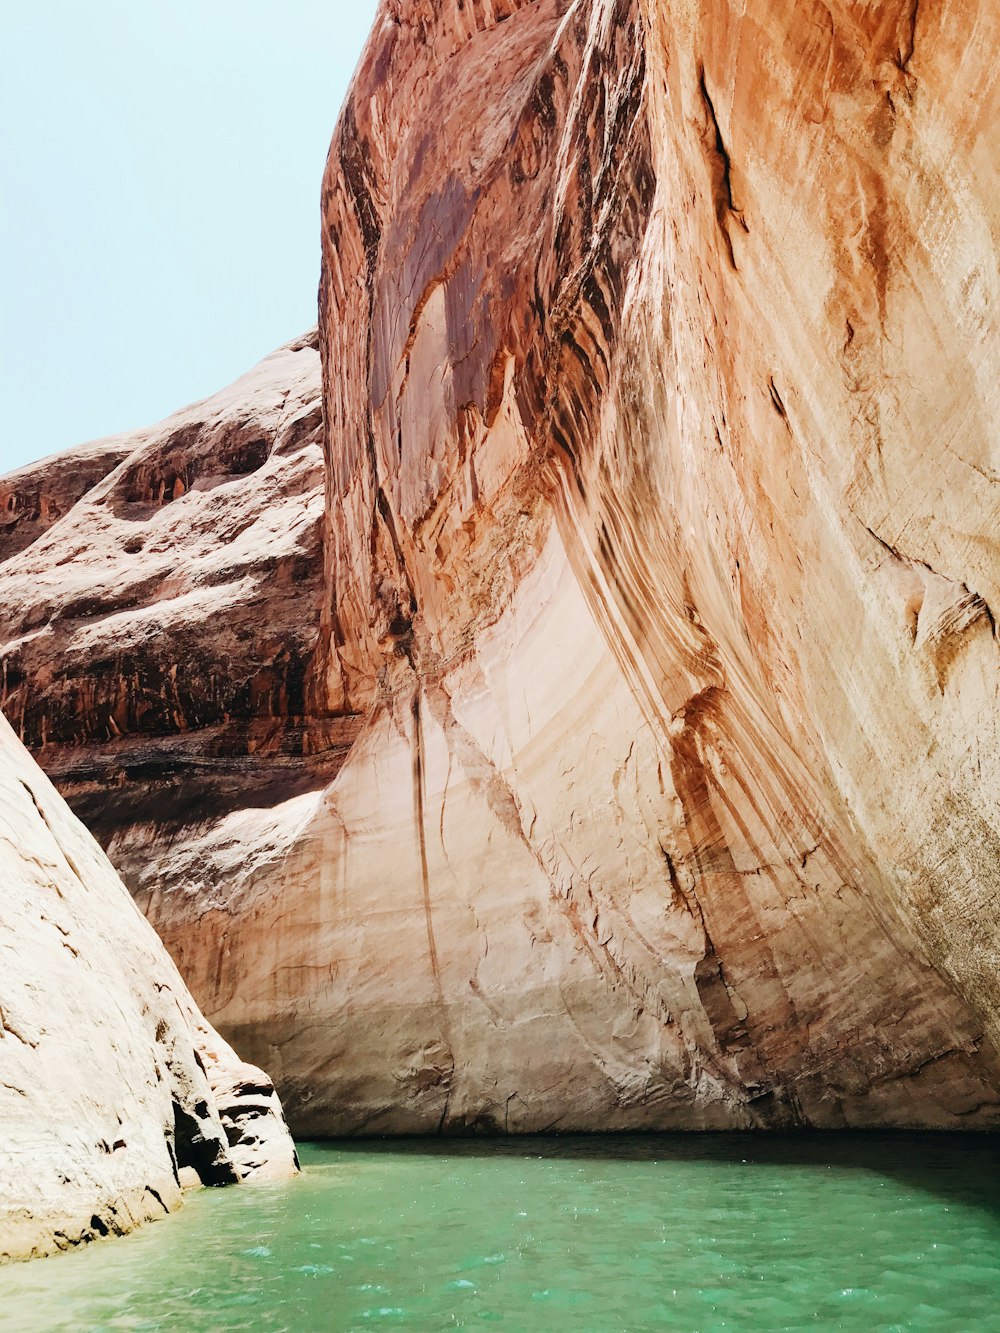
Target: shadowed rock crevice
[192,1149]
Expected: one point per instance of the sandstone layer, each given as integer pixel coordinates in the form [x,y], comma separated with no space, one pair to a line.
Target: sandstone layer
[657,601]
[166,621]
[111,1082]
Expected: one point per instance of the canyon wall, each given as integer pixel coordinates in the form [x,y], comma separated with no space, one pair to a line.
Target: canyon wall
[640,767]
[111,1082]
[161,631]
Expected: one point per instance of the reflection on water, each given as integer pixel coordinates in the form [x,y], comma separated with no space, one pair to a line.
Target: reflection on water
[689,1233]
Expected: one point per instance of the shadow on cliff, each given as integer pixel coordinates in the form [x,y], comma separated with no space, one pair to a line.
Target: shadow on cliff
[961,1168]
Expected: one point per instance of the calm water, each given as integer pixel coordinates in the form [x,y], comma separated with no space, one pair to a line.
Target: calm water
[698,1233]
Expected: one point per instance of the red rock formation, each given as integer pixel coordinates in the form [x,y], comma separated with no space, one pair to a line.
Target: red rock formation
[36,496]
[660,563]
[161,633]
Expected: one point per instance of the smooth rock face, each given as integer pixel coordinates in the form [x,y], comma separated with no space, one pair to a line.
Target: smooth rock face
[111,1082]
[659,585]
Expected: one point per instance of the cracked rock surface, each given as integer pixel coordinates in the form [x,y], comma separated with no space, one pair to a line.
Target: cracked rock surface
[111,1082]
[640,764]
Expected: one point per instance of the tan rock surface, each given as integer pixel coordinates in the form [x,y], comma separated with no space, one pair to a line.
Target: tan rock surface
[661,562]
[111,1082]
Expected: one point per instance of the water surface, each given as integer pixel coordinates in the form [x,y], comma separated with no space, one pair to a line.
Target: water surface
[689,1233]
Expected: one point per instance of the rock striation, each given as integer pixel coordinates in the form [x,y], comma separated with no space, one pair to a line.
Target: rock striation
[165,624]
[643,771]
[111,1082]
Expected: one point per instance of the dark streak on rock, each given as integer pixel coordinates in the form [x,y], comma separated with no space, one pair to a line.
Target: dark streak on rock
[905,55]
[980,603]
[158,1197]
[776,400]
[722,185]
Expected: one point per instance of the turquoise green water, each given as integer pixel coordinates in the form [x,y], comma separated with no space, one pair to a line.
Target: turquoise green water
[736,1233]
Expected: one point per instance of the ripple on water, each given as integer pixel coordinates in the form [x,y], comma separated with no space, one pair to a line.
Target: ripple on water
[679,1233]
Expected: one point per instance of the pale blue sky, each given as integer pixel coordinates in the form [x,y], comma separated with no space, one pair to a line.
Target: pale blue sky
[160,167]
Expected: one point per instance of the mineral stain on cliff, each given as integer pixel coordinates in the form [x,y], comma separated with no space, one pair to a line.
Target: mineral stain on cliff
[563,693]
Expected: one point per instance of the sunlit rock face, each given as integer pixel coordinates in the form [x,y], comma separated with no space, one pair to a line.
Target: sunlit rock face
[111,1082]
[159,633]
[657,601]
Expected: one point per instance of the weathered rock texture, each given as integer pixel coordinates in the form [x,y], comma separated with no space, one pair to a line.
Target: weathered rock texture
[661,562]
[165,624]
[111,1082]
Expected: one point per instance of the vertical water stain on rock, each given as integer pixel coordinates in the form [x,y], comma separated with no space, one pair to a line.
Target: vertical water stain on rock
[588,719]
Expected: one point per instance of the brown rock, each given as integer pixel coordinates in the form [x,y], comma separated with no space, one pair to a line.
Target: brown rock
[36,496]
[113,1089]
[660,579]
[164,627]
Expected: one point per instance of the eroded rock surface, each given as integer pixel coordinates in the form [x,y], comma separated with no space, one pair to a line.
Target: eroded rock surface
[161,631]
[659,596]
[111,1082]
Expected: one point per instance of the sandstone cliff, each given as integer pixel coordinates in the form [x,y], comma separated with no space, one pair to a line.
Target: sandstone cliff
[165,624]
[111,1082]
[657,603]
